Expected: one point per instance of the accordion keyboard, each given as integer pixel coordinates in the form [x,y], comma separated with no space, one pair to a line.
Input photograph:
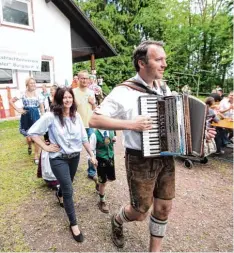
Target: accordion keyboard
[150,138]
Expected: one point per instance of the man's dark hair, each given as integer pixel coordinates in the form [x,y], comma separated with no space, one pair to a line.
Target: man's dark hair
[140,52]
[216,97]
[58,107]
[209,101]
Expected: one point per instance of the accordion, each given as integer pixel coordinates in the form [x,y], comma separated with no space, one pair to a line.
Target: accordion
[178,127]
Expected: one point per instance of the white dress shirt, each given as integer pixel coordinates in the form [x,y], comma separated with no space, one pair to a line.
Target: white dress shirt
[122,103]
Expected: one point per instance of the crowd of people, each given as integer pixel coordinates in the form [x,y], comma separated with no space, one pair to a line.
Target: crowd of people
[221,107]
[75,117]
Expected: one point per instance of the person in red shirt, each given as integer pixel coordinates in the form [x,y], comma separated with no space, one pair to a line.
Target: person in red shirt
[75,82]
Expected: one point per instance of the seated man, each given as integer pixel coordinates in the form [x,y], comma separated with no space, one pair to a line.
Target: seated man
[215,95]
[220,92]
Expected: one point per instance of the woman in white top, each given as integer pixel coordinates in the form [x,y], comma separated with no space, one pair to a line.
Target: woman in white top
[66,135]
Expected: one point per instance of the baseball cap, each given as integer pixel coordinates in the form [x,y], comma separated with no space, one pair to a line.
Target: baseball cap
[219,89]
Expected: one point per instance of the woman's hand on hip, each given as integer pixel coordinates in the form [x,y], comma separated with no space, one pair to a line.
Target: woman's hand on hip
[21,111]
[52,148]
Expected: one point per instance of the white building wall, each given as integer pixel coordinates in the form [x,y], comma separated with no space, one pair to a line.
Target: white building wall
[51,37]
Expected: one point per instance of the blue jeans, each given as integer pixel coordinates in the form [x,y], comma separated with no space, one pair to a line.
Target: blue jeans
[65,170]
[91,171]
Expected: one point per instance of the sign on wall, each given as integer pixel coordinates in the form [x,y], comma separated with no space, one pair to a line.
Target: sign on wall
[20,60]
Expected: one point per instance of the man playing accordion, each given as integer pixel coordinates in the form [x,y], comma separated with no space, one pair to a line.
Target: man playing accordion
[151,180]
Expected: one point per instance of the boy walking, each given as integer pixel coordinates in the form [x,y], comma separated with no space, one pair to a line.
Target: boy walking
[102,143]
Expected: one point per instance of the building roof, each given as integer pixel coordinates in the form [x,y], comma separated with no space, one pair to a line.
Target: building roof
[86,39]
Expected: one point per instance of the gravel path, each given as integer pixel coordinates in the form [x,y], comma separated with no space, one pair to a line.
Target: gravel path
[201,219]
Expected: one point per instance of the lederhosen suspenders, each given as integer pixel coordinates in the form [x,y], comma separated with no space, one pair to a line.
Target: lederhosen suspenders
[141,87]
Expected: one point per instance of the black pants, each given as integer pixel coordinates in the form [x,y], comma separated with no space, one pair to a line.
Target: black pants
[65,170]
[221,138]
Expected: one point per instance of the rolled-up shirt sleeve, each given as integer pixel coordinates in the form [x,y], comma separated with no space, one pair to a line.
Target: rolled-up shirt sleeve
[40,127]
[111,105]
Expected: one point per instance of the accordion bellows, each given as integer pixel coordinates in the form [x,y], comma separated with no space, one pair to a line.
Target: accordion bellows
[178,125]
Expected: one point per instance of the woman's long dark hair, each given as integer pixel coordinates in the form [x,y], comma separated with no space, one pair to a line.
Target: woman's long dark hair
[58,107]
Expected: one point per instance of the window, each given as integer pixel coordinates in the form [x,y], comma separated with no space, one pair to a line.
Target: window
[7,78]
[45,75]
[17,13]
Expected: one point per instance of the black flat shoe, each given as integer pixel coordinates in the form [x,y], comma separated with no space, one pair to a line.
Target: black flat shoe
[59,200]
[79,237]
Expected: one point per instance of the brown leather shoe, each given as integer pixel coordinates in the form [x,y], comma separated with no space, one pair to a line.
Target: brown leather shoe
[117,233]
[103,207]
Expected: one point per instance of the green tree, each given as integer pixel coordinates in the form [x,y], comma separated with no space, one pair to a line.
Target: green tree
[198,36]
[115,20]
[197,33]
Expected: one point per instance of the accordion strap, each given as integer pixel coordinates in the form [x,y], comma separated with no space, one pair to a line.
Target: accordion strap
[137,86]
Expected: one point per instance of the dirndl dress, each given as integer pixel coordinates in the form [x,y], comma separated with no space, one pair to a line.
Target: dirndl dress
[31,106]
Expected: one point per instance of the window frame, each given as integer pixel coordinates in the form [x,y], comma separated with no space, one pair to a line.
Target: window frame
[15,25]
[51,66]
[14,80]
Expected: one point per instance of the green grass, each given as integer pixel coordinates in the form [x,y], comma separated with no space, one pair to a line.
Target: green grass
[9,124]
[17,181]
[18,174]
[19,184]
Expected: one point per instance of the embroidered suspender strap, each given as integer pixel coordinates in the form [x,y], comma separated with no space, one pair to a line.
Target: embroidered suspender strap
[137,86]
